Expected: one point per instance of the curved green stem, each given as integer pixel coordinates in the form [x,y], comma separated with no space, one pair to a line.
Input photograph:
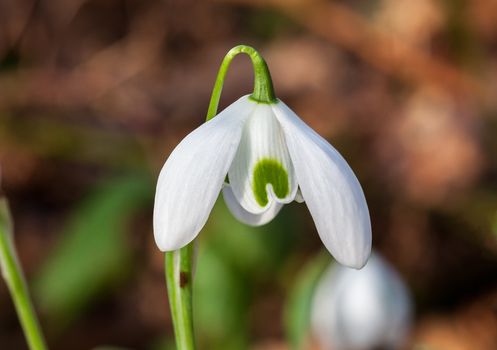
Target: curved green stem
[179,278]
[263,85]
[13,275]
[179,263]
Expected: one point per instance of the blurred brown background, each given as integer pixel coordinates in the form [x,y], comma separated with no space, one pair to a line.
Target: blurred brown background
[95,94]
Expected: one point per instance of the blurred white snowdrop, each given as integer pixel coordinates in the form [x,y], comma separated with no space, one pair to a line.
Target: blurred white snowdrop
[261,155]
[359,310]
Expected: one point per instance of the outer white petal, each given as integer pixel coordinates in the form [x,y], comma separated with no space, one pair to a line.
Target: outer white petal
[193,175]
[262,139]
[330,189]
[245,216]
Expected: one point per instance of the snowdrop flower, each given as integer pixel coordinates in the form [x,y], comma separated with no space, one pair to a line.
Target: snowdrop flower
[360,310]
[261,155]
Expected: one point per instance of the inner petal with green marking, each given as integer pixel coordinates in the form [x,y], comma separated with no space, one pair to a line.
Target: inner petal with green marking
[269,171]
[261,172]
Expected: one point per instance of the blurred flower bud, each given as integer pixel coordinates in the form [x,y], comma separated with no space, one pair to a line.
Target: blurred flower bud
[361,309]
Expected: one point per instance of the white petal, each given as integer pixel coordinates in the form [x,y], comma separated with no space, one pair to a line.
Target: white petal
[247,217]
[262,170]
[330,189]
[193,175]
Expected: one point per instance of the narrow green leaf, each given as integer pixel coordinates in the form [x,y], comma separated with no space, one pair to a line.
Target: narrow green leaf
[93,253]
[221,302]
[299,303]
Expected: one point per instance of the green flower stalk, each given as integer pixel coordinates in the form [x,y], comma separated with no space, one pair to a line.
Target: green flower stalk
[13,276]
[179,263]
[263,84]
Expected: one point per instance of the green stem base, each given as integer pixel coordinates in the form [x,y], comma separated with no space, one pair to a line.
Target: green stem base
[14,277]
[178,267]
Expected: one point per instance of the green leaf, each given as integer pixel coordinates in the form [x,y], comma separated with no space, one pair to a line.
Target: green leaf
[220,302]
[93,253]
[299,303]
